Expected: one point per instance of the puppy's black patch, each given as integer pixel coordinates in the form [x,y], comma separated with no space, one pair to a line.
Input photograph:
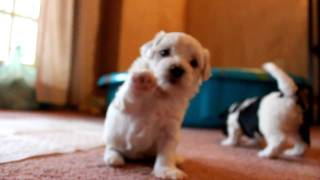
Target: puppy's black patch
[248,119]
[302,100]
[281,94]
[304,132]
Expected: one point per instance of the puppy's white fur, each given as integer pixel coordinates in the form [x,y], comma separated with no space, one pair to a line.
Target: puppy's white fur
[279,117]
[145,117]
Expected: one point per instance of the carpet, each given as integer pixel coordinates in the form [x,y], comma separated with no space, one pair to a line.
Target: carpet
[205,159]
[27,137]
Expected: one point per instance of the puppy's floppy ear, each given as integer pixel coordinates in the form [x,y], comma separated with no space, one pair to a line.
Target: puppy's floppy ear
[206,69]
[158,37]
[146,50]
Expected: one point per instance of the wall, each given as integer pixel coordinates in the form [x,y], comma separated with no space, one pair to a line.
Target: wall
[247,33]
[108,37]
[141,19]
[242,33]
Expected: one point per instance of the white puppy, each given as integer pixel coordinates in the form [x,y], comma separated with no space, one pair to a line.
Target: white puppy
[145,117]
[274,116]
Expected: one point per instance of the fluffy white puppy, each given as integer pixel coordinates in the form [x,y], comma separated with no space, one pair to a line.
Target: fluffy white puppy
[145,117]
[275,116]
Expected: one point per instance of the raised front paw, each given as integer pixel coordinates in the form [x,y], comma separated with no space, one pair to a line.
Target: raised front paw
[144,81]
[169,173]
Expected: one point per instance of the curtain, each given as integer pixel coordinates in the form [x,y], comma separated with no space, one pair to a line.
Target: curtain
[66,54]
[86,41]
[54,51]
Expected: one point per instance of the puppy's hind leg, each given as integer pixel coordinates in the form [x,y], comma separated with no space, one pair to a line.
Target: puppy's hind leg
[275,142]
[113,157]
[301,141]
[298,148]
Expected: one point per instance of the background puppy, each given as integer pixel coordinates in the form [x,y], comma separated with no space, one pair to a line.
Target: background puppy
[274,116]
[145,117]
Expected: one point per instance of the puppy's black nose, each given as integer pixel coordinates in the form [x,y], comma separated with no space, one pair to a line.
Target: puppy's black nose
[176,71]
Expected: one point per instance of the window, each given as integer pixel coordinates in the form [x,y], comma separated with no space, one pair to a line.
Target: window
[18,30]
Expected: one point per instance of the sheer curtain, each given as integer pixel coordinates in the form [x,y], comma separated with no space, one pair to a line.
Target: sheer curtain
[66,53]
[54,51]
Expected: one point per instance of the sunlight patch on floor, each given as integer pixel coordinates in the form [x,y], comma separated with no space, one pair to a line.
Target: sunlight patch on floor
[21,139]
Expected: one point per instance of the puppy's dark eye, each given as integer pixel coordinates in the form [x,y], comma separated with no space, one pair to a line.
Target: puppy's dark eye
[165,53]
[194,63]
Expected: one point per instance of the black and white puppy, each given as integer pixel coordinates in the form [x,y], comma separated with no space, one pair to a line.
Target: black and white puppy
[275,116]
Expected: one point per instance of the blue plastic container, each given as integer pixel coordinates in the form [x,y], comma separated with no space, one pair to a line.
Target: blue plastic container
[223,88]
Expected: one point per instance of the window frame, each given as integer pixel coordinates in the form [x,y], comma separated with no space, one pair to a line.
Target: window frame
[12,14]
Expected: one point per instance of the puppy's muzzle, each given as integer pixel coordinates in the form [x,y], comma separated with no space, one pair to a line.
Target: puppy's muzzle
[176,72]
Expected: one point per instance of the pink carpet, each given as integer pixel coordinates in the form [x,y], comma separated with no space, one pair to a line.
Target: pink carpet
[205,159]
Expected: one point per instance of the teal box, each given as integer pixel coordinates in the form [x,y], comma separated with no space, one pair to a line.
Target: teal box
[225,86]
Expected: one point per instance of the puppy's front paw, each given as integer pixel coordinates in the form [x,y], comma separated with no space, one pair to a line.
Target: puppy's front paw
[266,153]
[228,142]
[144,81]
[113,158]
[169,173]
